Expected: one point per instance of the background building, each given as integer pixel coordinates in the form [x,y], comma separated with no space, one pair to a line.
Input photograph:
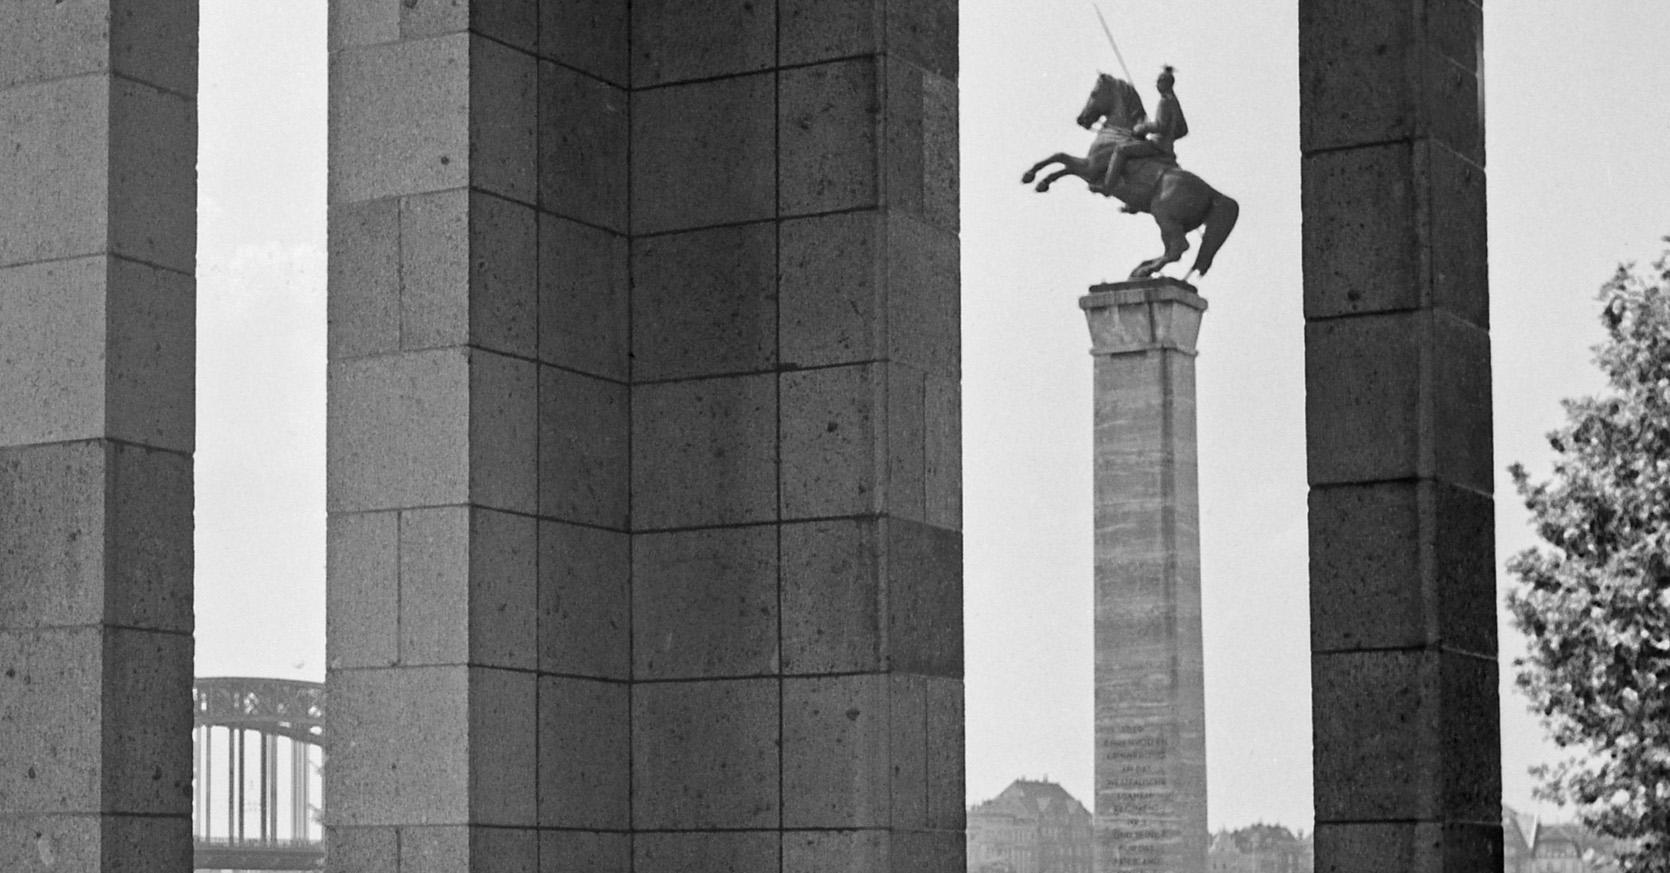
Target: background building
[1530,845]
[1260,848]
[1032,827]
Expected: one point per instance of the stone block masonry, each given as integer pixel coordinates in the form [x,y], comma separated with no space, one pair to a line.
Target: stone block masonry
[1150,756]
[498,194]
[644,454]
[1398,420]
[97,245]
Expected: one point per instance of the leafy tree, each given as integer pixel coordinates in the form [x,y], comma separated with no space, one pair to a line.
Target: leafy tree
[1596,604]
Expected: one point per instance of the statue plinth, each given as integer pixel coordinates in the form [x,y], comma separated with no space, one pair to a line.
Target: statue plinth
[1150,708]
[1143,314]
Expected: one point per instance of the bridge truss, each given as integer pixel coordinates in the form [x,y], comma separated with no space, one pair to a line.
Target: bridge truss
[258,753]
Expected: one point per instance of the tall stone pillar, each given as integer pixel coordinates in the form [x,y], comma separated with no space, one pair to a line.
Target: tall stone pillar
[1398,420]
[97,253]
[1150,712]
[476,463]
[644,437]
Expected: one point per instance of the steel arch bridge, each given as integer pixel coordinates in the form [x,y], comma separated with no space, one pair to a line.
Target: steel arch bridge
[257,755]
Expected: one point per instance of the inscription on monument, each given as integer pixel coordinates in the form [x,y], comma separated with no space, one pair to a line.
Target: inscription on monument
[1150,744]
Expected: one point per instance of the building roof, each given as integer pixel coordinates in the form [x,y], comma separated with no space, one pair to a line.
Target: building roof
[1031,799]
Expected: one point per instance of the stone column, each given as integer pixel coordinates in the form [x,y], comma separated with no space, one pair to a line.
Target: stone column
[1150,712]
[97,249]
[645,474]
[477,440]
[1398,418]
[796,557]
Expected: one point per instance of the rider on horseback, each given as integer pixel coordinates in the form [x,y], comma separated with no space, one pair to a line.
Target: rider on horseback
[1167,126]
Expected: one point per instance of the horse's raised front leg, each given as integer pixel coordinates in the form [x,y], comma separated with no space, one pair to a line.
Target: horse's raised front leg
[1057,158]
[1070,167]
[1177,242]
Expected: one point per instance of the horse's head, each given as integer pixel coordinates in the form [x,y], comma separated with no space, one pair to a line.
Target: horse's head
[1115,100]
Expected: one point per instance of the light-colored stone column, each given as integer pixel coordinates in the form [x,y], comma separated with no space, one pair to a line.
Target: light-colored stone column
[478,554]
[97,250]
[1150,713]
[1398,425]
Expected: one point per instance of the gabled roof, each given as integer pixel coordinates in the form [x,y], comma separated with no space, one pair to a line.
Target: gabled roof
[1030,800]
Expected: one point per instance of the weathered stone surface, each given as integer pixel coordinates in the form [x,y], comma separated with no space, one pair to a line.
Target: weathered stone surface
[151,41]
[1381,71]
[107,843]
[445,848]
[583,148]
[101,531]
[589,35]
[585,752]
[927,850]
[1396,396]
[821,30]
[704,452]
[834,442]
[924,599]
[704,603]
[468,267]
[1395,226]
[1373,540]
[836,756]
[1406,735]
[468,588]
[842,851]
[919,156]
[907,701]
[362,603]
[704,303]
[398,124]
[705,756]
[364,270]
[433,745]
[829,119]
[583,449]
[721,852]
[584,298]
[924,299]
[676,40]
[831,290]
[585,850]
[515,22]
[584,601]
[101,347]
[833,599]
[703,154]
[503,114]
[1393,847]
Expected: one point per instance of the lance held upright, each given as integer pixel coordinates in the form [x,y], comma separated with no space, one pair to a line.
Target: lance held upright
[1149,686]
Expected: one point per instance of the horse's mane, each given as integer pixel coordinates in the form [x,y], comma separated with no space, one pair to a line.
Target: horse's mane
[1128,97]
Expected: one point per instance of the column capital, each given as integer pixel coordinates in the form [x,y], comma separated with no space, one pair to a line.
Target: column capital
[1143,314]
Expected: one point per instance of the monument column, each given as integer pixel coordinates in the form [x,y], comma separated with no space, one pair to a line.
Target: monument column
[1150,712]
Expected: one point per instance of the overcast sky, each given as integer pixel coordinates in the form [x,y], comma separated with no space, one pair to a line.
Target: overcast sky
[1576,133]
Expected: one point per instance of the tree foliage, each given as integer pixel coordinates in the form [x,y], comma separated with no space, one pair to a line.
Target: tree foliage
[1595,603]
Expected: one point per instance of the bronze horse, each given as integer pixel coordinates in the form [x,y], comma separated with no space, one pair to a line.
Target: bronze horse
[1179,200]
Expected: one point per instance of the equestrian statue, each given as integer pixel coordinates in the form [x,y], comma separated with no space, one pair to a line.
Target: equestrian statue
[1133,158]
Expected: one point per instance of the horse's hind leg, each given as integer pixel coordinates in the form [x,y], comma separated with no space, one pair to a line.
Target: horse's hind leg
[1057,158]
[1177,242]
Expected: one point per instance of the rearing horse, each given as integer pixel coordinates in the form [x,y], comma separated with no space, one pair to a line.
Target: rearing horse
[1179,200]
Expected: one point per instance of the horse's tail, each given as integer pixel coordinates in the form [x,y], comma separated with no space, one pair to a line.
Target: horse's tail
[1220,220]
